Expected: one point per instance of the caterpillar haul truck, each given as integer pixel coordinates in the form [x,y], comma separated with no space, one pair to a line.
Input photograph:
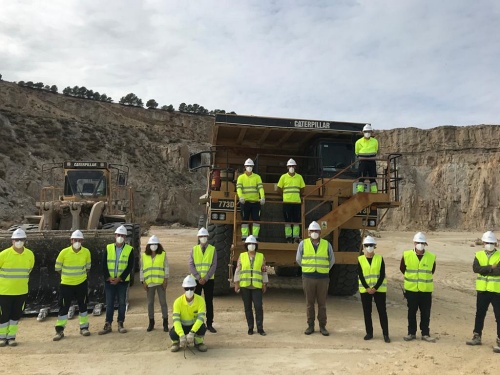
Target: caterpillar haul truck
[324,152]
[91,196]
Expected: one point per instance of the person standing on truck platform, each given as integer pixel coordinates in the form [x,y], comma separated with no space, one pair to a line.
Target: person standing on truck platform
[73,263]
[487,267]
[153,274]
[117,265]
[418,266]
[202,265]
[249,187]
[366,150]
[16,263]
[291,187]
[315,256]
[251,279]
[373,286]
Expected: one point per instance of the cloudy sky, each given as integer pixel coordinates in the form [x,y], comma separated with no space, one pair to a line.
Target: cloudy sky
[394,63]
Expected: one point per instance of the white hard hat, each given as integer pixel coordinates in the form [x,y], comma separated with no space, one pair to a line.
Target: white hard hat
[249,162]
[18,234]
[419,237]
[367,128]
[77,235]
[314,226]
[202,232]
[489,237]
[291,162]
[251,239]
[153,240]
[369,240]
[121,230]
[189,282]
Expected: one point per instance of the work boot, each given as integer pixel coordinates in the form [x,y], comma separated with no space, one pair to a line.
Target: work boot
[58,336]
[175,347]
[324,331]
[409,337]
[202,347]
[150,327]
[121,328]
[428,338]
[261,332]
[12,342]
[106,329]
[289,240]
[368,336]
[476,340]
[387,339]
[3,342]
[309,330]
[211,329]
[250,331]
[85,332]
[496,348]
[165,325]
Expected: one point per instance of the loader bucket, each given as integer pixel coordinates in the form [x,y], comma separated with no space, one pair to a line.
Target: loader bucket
[44,280]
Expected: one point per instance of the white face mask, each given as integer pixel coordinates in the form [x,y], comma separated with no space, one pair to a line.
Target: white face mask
[314,235]
[251,247]
[370,249]
[420,246]
[203,240]
[77,245]
[489,246]
[120,239]
[249,169]
[291,170]
[153,247]
[189,293]
[367,135]
[18,244]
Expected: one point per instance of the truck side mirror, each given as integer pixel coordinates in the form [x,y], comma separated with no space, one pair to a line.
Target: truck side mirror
[197,161]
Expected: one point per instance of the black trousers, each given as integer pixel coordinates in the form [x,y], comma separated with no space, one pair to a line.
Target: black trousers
[208,291]
[368,168]
[69,293]
[366,301]
[419,301]
[482,304]
[255,296]
[250,209]
[175,337]
[11,307]
[292,212]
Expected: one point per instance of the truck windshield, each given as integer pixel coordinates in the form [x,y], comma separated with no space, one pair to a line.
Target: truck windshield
[85,183]
[335,157]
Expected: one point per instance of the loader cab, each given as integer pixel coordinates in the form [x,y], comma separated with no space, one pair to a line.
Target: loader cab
[86,180]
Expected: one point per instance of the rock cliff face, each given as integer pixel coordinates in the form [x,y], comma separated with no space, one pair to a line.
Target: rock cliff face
[450,174]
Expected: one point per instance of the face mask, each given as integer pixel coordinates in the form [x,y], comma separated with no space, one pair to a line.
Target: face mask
[120,239]
[489,247]
[420,246]
[203,240]
[251,247]
[189,293]
[153,247]
[367,135]
[77,245]
[370,249]
[19,244]
[314,235]
[291,170]
[249,169]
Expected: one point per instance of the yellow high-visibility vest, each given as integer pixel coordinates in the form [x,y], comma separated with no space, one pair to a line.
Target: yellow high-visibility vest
[73,265]
[366,147]
[185,314]
[251,275]
[249,187]
[153,270]
[371,273]
[418,274]
[488,283]
[15,271]
[122,262]
[203,261]
[315,261]
[291,186]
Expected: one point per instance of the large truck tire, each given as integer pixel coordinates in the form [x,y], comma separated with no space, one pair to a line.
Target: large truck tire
[221,236]
[344,277]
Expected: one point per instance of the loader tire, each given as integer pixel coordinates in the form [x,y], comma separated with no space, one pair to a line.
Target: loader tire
[344,277]
[221,236]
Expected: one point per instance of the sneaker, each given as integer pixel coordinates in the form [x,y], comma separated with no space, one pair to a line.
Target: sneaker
[71,312]
[84,332]
[387,339]
[476,339]
[409,337]
[121,329]
[12,342]
[368,336]
[212,329]
[175,347]
[202,347]
[3,342]
[97,309]
[42,314]
[106,329]
[261,332]
[324,331]
[58,336]
[428,338]
[309,330]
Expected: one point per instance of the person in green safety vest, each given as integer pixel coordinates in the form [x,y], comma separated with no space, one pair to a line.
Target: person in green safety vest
[16,263]
[366,149]
[487,267]
[418,266]
[73,263]
[373,286]
[291,186]
[250,278]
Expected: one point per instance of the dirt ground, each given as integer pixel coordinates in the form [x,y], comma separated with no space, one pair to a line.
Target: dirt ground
[285,350]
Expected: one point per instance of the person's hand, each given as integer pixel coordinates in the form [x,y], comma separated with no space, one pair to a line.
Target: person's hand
[190,338]
[493,266]
[164,285]
[202,281]
[262,201]
[372,290]
[145,286]
[113,280]
[264,288]
[183,341]
[242,200]
[237,288]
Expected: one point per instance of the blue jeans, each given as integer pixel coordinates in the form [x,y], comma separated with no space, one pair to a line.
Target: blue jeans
[112,292]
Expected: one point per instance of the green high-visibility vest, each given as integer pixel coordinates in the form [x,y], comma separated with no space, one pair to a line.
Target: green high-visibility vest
[153,270]
[418,274]
[315,261]
[251,275]
[488,283]
[203,261]
[73,265]
[371,273]
[15,271]
[122,262]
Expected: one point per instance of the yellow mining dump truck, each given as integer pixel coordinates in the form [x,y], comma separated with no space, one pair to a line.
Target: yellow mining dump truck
[324,152]
[91,196]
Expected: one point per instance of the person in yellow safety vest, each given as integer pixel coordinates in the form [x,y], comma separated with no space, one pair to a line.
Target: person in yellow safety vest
[16,263]
[418,266]
[202,265]
[249,188]
[188,315]
[487,267]
[73,263]
[315,256]
[366,149]
[373,286]
[291,186]
[118,264]
[153,274]
[251,279]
